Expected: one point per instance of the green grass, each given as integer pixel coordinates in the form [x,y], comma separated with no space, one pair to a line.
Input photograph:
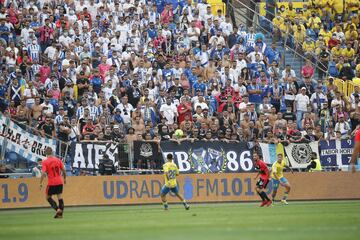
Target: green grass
[299,220]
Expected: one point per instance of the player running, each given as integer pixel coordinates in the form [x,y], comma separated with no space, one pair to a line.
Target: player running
[170,173]
[277,175]
[261,184]
[52,167]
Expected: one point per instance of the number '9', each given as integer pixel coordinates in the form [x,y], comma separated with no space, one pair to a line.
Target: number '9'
[23,192]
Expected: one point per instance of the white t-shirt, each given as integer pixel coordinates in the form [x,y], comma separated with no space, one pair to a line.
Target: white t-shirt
[191,31]
[252,57]
[170,112]
[50,52]
[108,92]
[203,105]
[343,127]
[50,108]
[241,88]
[302,101]
[126,111]
[27,93]
[227,28]
[336,102]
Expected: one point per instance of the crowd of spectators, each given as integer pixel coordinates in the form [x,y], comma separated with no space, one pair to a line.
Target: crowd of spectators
[327,33]
[126,70]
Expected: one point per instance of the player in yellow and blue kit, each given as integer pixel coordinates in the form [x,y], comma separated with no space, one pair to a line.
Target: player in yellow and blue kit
[277,176]
[170,173]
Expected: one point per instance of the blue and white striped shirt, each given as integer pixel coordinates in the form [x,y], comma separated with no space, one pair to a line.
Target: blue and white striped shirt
[93,111]
[78,50]
[80,112]
[59,119]
[34,51]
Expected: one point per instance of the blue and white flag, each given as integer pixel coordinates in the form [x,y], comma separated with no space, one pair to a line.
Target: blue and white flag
[270,152]
[336,153]
[15,139]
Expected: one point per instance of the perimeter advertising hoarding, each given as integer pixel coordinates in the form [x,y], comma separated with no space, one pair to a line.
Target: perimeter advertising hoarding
[145,189]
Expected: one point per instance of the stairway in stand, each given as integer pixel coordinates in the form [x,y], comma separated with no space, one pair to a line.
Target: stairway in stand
[290,57]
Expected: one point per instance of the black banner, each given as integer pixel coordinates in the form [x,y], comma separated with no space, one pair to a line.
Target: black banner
[209,157]
[147,151]
[88,154]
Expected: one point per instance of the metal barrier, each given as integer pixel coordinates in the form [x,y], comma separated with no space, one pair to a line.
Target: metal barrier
[350,87]
[345,87]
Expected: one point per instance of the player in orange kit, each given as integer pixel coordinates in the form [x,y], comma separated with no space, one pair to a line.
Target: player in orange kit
[52,167]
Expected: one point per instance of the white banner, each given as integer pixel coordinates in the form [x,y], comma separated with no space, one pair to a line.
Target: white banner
[299,154]
[27,145]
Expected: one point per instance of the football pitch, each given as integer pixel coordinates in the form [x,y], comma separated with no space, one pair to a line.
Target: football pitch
[299,220]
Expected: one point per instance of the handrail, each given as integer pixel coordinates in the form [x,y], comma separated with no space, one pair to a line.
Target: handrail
[303,58]
[34,129]
[266,11]
[60,143]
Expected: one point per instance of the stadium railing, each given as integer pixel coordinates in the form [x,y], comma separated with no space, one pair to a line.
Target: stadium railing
[259,21]
[345,87]
[62,147]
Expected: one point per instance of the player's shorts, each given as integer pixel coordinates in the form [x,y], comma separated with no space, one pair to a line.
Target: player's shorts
[262,183]
[165,190]
[53,190]
[276,182]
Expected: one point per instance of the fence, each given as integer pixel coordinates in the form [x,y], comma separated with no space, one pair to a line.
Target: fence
[346,87]
[22,147]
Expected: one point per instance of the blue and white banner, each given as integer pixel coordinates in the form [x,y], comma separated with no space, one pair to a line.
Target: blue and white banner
[15,139]
[336,152]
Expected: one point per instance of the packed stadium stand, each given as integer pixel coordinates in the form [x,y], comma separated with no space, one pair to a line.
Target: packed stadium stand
[124,71]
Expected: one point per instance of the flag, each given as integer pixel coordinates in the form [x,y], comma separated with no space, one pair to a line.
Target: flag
[299,154]
[270,152]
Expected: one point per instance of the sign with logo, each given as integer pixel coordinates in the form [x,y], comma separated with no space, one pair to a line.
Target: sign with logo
[147,150]
[336,152]
[88,154]
[145,189]
[18,142]
[299,154]
[209,157]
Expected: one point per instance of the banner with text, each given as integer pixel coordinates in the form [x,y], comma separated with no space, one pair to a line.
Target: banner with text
[336,152]
[19,142]
[299,154]
[199,188]
[209,157]
[88,154]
